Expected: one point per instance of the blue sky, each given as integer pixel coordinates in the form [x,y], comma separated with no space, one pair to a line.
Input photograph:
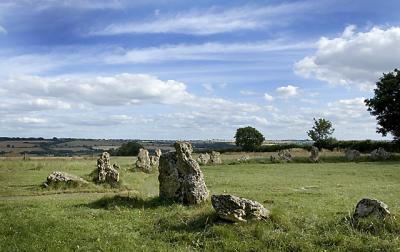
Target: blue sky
[192,70]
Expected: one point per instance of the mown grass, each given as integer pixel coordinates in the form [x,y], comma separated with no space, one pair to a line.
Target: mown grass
[311,206]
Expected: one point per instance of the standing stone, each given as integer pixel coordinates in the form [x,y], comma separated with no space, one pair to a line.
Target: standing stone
[314,154]
[143,162]
[203,159]
[285,155]
[105,171]
[367,207]
[155,160]
[237,209]
[380,154]
[243,159]
[351,155]
[215,157]
[180,176]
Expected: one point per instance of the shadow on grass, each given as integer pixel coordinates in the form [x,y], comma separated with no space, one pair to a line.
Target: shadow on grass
[119,201]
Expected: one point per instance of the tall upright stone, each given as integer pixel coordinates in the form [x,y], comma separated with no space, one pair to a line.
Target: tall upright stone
[105,171]
[314,154]
[154,160]
[143,162]
[215,157]
[180,176]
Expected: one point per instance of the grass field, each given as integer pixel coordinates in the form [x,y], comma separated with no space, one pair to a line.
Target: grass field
[310,206]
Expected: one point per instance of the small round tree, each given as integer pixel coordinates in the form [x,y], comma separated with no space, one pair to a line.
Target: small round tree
[385,105]
[321,132]
[128,149]
[248,138]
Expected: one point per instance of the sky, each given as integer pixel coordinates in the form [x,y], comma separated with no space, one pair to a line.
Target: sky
[157,69]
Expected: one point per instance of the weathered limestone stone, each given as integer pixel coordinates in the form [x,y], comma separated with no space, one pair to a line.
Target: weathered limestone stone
[244,158]
[314,154]
[237,209]
[380,154]
[215,157]
[143,162]
[154,160]
[203,159]
[285,155]
[180,176]
[63,177]
[351,155]
[367,207]
[106,172]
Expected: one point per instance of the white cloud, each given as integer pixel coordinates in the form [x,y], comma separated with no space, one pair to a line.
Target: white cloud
[121,89]
[247,92]
[268,97]
[208,87]
[288,91]
[206,51]
[3,30]
[29,120]
[211,21]
[353,58]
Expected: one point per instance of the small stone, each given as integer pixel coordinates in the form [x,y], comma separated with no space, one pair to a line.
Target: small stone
[203,159]
[243,159]
[215,157]
[352,155]
[314,154]
[380,154]
[367,207]
[236,209]
[63,177]
[143,162]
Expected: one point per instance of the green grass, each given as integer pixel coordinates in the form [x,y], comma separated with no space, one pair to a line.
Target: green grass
[311,205]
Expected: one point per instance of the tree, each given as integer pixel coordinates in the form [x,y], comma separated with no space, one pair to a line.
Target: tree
[248,138]
[128,149]
[321,132]
[385,105]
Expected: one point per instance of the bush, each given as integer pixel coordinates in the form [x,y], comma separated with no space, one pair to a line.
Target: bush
[127,149]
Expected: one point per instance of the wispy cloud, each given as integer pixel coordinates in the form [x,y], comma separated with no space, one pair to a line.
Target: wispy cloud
[210,21]
[2,30]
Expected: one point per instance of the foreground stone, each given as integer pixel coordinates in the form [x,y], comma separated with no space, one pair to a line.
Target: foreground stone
[203,159]
[143,162]
[180,176]
[215,157]
[237,209]
[380,154]
[371,207]
[63,177]
[105,171]
[314,154]
[351,155]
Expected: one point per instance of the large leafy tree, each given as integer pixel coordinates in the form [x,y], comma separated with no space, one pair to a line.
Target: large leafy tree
[385,105]
[128,149]
[248,138]
[321,132]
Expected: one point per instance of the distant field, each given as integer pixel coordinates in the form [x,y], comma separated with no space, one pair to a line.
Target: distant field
[309,205]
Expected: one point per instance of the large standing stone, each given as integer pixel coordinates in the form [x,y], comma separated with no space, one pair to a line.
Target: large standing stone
[314,154]
[180,176]
[367,207]
[203,158]
[237,209]
[63,177]
[143,162]
[215,157]
[105,171]
[351,155]
[380,154]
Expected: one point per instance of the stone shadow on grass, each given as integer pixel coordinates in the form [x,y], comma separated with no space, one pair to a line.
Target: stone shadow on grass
[195,224]
[119,201]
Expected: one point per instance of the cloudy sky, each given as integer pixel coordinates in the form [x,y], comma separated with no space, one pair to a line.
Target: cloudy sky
[157,69]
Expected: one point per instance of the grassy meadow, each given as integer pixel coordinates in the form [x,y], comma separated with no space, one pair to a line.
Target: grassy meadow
[310,206]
